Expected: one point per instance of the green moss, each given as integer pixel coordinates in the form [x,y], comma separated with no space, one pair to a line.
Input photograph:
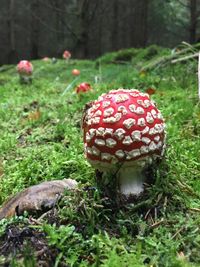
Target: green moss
[133,55]
[41,140]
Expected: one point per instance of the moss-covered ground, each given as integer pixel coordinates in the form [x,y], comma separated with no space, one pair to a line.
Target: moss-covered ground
[41,139]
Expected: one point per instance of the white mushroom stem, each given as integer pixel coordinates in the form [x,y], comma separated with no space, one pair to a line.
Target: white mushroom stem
[25,78]
[131,181]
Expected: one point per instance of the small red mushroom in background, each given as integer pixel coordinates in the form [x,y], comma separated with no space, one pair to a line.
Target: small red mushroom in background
[150,91]
[46,59]
[124,133]
[83,88]
[76,72]
[25,70]
[66,55]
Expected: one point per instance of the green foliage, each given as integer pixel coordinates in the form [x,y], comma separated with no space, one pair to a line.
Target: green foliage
[125,55]
[124,260]
[133,55]
[41,140]
[67,241]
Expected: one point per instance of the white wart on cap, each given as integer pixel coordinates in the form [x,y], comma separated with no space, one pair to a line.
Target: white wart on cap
[124,126]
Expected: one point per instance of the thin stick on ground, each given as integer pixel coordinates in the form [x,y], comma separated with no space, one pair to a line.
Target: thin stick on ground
[156,224]
[177,232]
[195,209]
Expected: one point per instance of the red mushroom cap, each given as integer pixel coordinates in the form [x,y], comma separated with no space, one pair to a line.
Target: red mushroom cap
[76,72]
[66,54]
[25,67]
[123,126]
[83,87]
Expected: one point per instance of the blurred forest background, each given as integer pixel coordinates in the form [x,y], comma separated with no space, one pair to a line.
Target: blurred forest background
[32,29]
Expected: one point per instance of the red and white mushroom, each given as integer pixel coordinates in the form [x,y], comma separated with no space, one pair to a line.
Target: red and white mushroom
[124,129]
[66,55]
[25,67]
[83,88]
[25,70]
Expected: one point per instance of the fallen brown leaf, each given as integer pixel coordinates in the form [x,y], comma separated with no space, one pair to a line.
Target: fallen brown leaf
[34,115]
[36,198]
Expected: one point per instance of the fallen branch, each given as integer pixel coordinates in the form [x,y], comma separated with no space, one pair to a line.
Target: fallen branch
[172,58]
[184,58]
[155,63]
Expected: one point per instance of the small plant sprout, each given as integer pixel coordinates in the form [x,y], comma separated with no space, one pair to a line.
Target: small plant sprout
[66,55]
[76,72]
[83,88]
[97,79]
[25,70]
[124,133]
[53,60]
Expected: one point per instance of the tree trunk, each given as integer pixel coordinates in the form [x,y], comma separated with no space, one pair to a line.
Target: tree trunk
[34,30]
[115,25]
[81,45]
[193,20]
[12,55]
[139,23]
[145,16]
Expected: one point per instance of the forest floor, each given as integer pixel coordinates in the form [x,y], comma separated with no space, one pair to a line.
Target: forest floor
[41,140]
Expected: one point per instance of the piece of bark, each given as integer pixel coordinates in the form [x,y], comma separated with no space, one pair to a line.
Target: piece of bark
[36,198]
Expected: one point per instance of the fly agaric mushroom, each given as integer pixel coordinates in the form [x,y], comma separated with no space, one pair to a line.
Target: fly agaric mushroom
[25,70]
[66,55]
[76,72]
[83,87]
[124,133]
